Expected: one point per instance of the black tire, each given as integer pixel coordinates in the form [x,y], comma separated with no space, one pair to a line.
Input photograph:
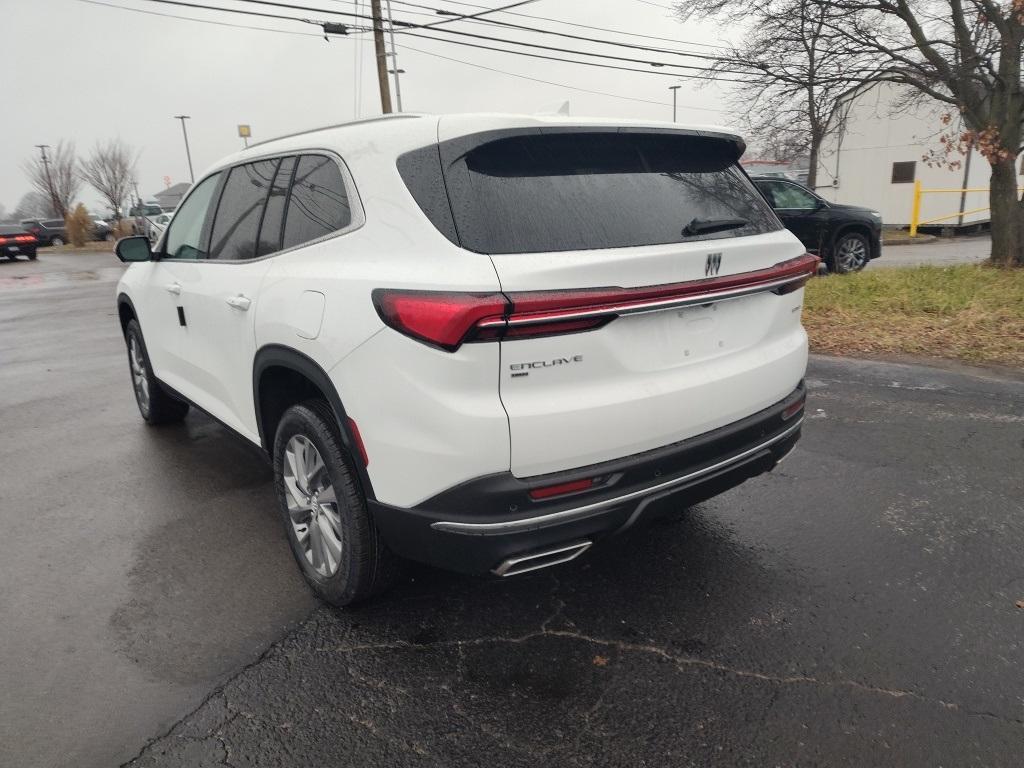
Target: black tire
[365,567]
[157,407]
[57,240]
[851,253]
[32,255]
[12,256]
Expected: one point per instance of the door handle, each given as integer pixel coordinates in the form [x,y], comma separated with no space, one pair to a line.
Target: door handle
[174,288]
[239,302]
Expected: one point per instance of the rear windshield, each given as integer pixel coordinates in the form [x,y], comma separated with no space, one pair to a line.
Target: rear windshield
[570,191]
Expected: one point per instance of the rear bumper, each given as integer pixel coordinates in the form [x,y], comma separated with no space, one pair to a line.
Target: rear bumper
[479,524]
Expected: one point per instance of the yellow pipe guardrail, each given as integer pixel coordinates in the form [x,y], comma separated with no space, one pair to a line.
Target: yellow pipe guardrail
[915,210]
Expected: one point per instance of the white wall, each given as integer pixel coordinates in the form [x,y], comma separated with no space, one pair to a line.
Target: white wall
[855,164]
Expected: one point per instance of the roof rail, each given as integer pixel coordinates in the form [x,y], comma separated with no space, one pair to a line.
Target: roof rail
[395,116]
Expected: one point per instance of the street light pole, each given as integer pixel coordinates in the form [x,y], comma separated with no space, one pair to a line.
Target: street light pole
[675,92]
[188,153]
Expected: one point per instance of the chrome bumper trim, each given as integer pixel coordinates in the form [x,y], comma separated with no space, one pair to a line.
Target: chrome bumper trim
[569,515]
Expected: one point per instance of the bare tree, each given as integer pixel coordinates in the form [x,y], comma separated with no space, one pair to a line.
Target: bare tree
[795,67]
[967,54]
[33,205]
[110,170]
[57,177]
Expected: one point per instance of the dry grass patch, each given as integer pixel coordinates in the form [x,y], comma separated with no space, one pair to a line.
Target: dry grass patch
[967,312]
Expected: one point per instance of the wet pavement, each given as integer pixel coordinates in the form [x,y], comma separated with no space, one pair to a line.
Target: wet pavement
[855,607]
[940,253]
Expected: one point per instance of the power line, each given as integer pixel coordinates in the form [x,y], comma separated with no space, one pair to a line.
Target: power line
[201,21]
[569,24]
[677,75]
[407,25]
[357,89]
[550,82]
[507,41]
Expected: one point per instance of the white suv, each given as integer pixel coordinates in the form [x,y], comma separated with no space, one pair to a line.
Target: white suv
[479,341]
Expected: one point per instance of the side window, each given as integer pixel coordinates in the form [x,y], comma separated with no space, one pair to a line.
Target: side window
[903,173]
[766,188]
[269,240]
[792,197]
[240,209]
[184,236]
[318,204]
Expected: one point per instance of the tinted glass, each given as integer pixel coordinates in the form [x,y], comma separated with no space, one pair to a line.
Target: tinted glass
[560,192]
[790,196]
[273,215]
[184,237]
[241,207]
[318,204]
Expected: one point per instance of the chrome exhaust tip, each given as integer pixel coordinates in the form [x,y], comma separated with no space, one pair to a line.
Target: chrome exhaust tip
[514,566]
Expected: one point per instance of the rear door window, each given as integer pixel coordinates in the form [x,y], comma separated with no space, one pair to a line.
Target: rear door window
[273,216]
[318,203]
[570,191]
[240,211]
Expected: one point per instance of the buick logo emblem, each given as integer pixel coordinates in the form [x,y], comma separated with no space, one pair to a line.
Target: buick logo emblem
[713,264]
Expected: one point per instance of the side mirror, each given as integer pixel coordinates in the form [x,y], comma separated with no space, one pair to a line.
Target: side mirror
[133,249]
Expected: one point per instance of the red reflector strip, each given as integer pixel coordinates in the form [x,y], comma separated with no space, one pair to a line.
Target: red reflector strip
[354,429]
[561,489]
[792,410]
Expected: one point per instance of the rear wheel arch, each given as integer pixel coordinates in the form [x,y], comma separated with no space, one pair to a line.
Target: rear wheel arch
[283,377]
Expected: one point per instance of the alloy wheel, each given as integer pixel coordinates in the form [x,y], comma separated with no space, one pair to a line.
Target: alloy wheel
[312,505]
[851,255]
[139,379]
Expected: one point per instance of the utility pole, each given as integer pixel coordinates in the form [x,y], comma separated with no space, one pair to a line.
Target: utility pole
[382,58]
[54,203]
[188,154]
[675,92]
[394,58]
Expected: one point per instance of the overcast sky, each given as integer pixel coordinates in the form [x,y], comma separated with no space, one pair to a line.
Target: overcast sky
[87,72]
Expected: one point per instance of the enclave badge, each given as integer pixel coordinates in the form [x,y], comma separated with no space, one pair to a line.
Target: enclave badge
[713,264]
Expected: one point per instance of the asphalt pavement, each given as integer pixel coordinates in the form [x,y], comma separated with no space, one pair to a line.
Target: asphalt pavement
[858,606]
[942,253]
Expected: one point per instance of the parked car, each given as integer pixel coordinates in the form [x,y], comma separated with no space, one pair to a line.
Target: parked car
[157,225]
[482,342]
[101,230]
[847,237]
[139,216]
[15,241]
[47,231]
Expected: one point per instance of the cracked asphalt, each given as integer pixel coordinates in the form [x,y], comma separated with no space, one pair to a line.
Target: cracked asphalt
[855,607]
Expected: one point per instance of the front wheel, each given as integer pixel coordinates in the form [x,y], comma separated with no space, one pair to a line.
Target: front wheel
[57,241]
[332,537]
[155,405]
[850,253]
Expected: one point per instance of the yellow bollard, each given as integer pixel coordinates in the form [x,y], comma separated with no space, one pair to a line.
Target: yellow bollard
[915,211]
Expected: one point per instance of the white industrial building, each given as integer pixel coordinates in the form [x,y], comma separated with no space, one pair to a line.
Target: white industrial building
[877,151]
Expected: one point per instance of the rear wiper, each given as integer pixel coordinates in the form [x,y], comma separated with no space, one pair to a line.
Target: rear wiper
[704,226]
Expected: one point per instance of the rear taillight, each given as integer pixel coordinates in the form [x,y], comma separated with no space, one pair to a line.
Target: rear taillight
[24,238]
[443,319]
[448,320]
